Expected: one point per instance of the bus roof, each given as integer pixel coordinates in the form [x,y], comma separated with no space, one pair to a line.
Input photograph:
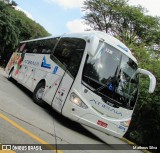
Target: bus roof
[102,35]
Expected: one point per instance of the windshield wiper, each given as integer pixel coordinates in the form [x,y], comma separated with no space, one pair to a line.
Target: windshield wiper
[93,80]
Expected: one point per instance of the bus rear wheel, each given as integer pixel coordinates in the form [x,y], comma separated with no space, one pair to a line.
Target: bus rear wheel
[38,94]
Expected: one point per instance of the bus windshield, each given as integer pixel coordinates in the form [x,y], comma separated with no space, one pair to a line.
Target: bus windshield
[112,75]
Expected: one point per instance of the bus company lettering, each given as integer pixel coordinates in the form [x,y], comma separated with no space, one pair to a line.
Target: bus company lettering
[30,62]
[106,107]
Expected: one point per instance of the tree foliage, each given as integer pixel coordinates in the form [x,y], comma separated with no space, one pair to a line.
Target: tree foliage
[15,26]
[140,32]
[128,23]
[145,127]
[7,29]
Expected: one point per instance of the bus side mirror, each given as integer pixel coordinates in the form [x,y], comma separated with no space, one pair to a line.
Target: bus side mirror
[151,77]
[93,44]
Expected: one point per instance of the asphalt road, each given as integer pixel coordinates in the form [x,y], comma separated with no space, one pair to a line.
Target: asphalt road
[26,126]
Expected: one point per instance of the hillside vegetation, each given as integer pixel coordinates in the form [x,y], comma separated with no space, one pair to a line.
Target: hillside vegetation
[15,26]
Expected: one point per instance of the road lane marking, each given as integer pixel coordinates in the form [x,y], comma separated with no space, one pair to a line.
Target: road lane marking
[29,133]
[7,151]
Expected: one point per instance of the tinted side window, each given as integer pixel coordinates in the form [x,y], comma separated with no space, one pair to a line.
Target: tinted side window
[30,47]
[69,52]
[27,47]
[40,46]
[46,46]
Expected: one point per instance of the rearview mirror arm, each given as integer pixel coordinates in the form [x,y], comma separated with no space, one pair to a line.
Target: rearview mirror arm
[151,77]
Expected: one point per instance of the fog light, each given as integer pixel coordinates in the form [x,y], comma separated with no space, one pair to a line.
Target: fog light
[76,100]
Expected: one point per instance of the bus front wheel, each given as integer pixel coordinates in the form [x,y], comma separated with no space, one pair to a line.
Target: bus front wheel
[38,94]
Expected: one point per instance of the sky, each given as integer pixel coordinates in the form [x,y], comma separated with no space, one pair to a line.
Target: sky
[64,16]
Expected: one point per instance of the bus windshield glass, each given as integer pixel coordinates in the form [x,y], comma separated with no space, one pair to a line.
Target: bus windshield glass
[112,75]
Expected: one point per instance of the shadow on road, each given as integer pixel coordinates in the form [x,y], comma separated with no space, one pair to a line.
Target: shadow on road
[58,117]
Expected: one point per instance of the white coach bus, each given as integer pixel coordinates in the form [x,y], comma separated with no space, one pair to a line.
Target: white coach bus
[89,77]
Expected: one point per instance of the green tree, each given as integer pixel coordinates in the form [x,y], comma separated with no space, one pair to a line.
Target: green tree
[127,23]
[99,14]
[8,36]
[145,127]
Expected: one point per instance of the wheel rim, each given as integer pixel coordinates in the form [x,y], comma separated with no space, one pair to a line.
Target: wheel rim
[39,93]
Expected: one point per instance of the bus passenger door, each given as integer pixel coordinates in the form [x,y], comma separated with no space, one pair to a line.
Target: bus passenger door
[62,92]
[67,55]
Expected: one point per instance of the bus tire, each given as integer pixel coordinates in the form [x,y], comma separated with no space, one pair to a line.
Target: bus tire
[38,94]
[10,75]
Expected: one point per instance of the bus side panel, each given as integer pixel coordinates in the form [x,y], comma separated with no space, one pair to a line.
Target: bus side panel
[22,73]
[33,77]
[31,71]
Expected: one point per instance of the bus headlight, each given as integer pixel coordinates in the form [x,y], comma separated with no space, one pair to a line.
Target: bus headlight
[76,100]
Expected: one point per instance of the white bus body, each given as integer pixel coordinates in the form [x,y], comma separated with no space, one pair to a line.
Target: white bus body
[89,77]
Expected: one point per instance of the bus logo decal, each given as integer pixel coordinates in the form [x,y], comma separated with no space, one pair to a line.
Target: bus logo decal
[44,63]
[124,48]
[55,70]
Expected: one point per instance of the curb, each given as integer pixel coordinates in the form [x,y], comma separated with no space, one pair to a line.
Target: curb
[132,143]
